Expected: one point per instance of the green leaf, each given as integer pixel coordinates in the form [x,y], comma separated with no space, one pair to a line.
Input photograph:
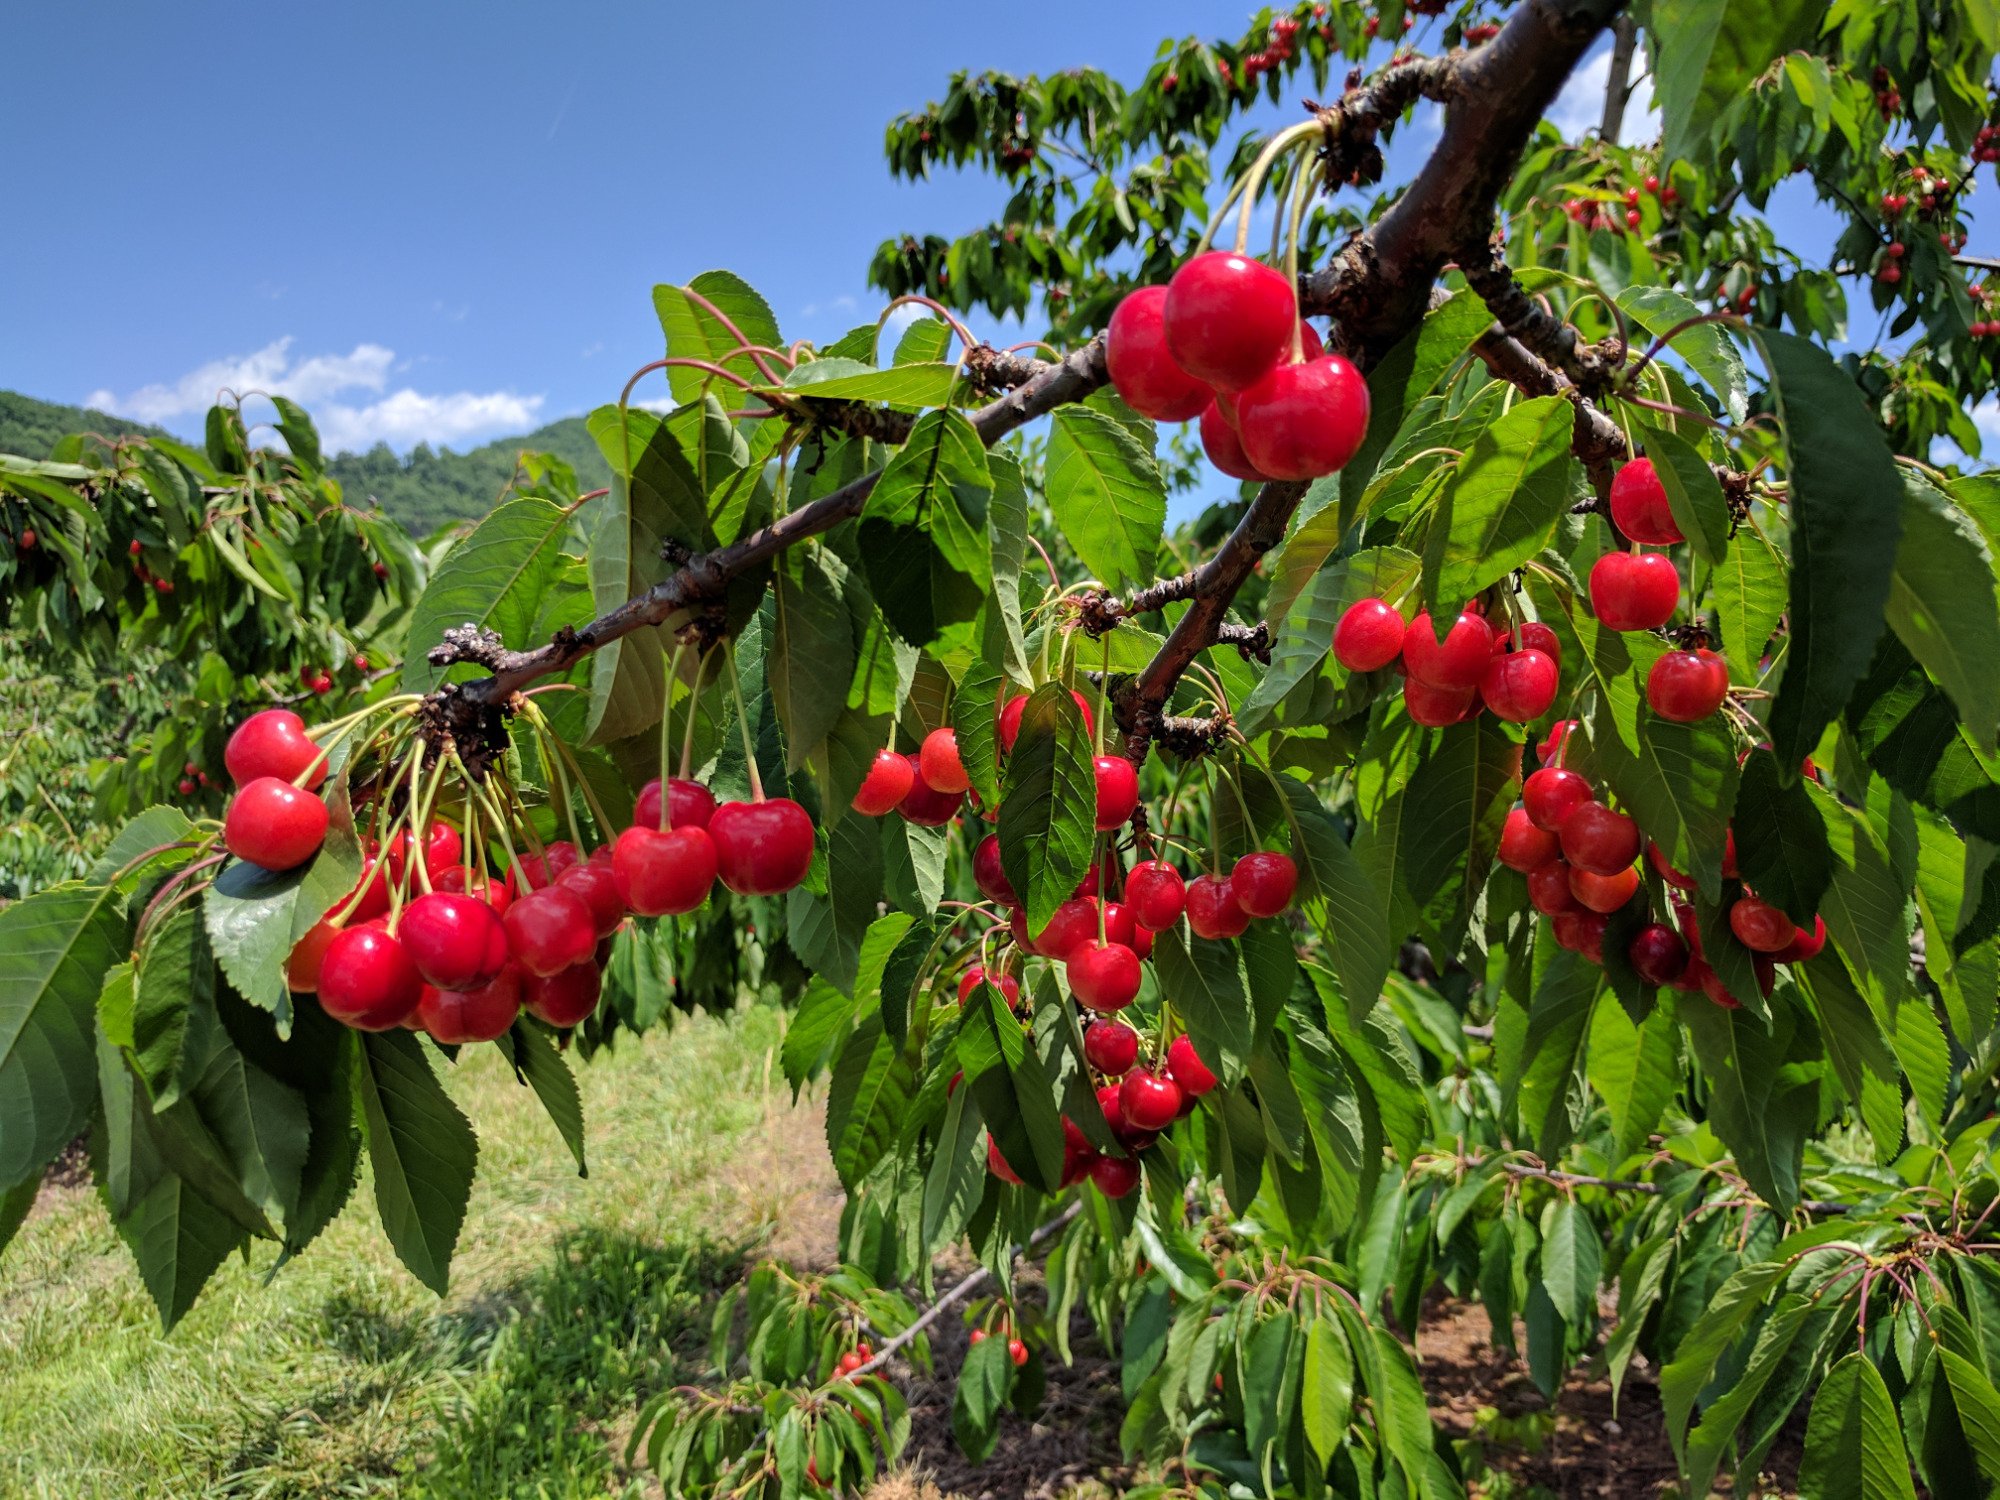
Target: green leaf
[1693,492]
[15,1204]
[255,917]
[957,1176]
[905,385]
[1502,502]
[1106,494]
[494,579]
[1708,348]
[1547,1089]
[1861,1058]
[827,930]
[1781,844]
[1350,910]
[693,332]
[1328,1388]
[1908,731]
[1864,906]
[1719,1423]
[422,1151]
[867,1096]
[532,1051]
[1708,52]
[1016,1096]
[1761,1110]
[1846,507]
[1454,807]
[1408,373]
[173,1011]
[1302,637]
[55,949]
[1693,1366]
[1943,608]
[1572,1261]
[1636,1070]
[1200,978]
[984,1382]
[1048,810]
[922,530]
[1748,587]
[812,658]
[1978,1409]
[1854,1444]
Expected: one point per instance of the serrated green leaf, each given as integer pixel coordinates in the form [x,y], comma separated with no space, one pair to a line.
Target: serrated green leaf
[422,1150]
[1107,495]
[494,578]
[1693,493]
[867,1095]
[1501,503]
[905,385]
[1572,1261]
[694,332]
[1048,809]
[1943,607]
[1854,1444]
[1781,844]
[1758,1109]
[1635,1069]
[531,1050]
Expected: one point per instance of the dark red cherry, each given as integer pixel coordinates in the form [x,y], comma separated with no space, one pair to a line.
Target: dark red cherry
[989,875]
[762,848]
[1369,636]
[1264,882]
[1582,932]
[1117,790]
[1657,954]
[925,804]
[1228,319]
[1551,794]
[1156,894]
[1213,910]
[274,825]
[1187,1068]
[1525,847]
[567,997]
[1761,927]
[1459,662]
[1639,505]
[887,783]
[939,764]
[1687,686]
[1597,839]
[1142,369]
[481,1014]
[1104,977]
[1224,448]
[1804,945]
[1149,1101]
[663,873]
[550,930]
[689,804]
[1008,986]
[272,743]
[1115,1176]
[1634,590]
[1306,420]
[1548,889]
[1110,1047]
[1435,707]
[1603,893]
[456,942]
[367,981]
[1520,685]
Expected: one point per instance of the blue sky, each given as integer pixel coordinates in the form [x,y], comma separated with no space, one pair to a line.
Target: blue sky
[442,223]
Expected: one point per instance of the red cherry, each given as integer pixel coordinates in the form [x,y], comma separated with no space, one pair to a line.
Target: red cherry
[567,997]
[1519,686]
[550,930]
[1110,1047]
[925,804]
[1548,889]
[1010,718]
[1761,927]
[1142,370]
[1224,448]
[1634,590]
[1657,857]
[456,942]
[272,743]
[1729,854]
[1582,932]
[1104,977]
[1639,504]
[1523,846]
[1074,922]
[1551,746]
[544,869]
[1652,183]
[1008,986]
[1459,662]
[1657,954]
[1212,908]
[1533,635]
[1306,420]
[374,887]
[302,966]
[1017,1351]
[1078,1153]
[1435,707]
[1311,348]
[938,763]
[1156,894]
[689,804]
[1713,987]
[185,787]
[1687,686]
[1117,790]
[1228,318]
[1187,1068]
[1603,893]
[1115,1176]
[1369,636]
[1551,794]
[1149,1101]
[1264,883]
[1596,839]
[1804,945]
[596,880]
[887,783]
[480,1014]
[1119,927]
[762,848]
[1092,883]
[273,824]
[989,875]
[367,981]
[135,547]
[442,850]
[663,872]
[997,1164]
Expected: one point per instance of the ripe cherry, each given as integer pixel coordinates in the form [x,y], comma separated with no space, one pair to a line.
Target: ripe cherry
[1310,348]
[1104,977]
[1525,847]
[1596,839]
[1142,370]
[1550,749]
[1634,590]
[544,869]
[1149,1101]
[1603,893]
[1548,889]
[1582,932]
[1435,707]
[689,804]
[1520,685]
[1761,927]
[1017,1351]
[925,805]
[1117,790]
[666,872]
[1533,635]
[1264,882]
[1110,1047]
[1219,440]
[1687,686]
[939,764]
[1212,908]
[1639,505]
[550,930]
[456,942]
[1078,1153]
[272,743]
[1657,954]
[762,848]
[1306,420]
[1369,636]
[1156,894]
[1010,717]
[1551,794]
[273,824]
[1008,986]
[302,965]
[997,1164]
[887,783]
[367,981]
[989,875]
[596,880]
[1804,945]
[1074,922]
[480,1014]
[442,850]
[1119,927]
[567,997]
[1115,1176]
[1187,1068]
[1228,319]
[1459,662]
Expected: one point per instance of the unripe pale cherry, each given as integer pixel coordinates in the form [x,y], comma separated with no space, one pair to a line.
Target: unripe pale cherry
[989,875]
[1551,794]
[1369,636]
[1434,707]
[1519,685]
[887,783]
[1110,1047]
[1456,663]
[762,848]
[1596,839]
[1524,846]
[1760,926]
[1117,790]
[939,764]
[1104,977]
[1228,319]
[1687,686]
[456,942]
[1264,882]
[1187,1069]
[1224,447]
[1142,368]
[1639,505]
[1156,894]
[367,981]
[274,825]
[1304,421]
[1634,590]
[272,743]
[664,872]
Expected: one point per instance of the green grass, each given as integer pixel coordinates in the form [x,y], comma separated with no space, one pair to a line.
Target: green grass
[571,1299]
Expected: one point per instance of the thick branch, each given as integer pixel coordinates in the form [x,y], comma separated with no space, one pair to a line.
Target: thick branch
[1589,367]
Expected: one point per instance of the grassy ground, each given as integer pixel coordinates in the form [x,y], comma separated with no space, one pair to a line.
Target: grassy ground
[343,1376]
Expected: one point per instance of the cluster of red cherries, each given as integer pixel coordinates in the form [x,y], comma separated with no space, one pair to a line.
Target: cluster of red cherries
[1581,856]
[1514,673]
[1223,342]
[1592,214]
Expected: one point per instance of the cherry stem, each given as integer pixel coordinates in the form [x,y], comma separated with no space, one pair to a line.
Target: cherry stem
[966,340]
[687,736]
[567,757]
[742,338]
[1253,180]
[743,723]
[625,396]
[666,721]
[500,826]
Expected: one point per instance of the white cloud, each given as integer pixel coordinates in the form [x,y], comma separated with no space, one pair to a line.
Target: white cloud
[1579,108]
[401,418]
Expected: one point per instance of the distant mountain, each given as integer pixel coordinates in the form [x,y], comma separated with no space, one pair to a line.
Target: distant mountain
[427,489]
